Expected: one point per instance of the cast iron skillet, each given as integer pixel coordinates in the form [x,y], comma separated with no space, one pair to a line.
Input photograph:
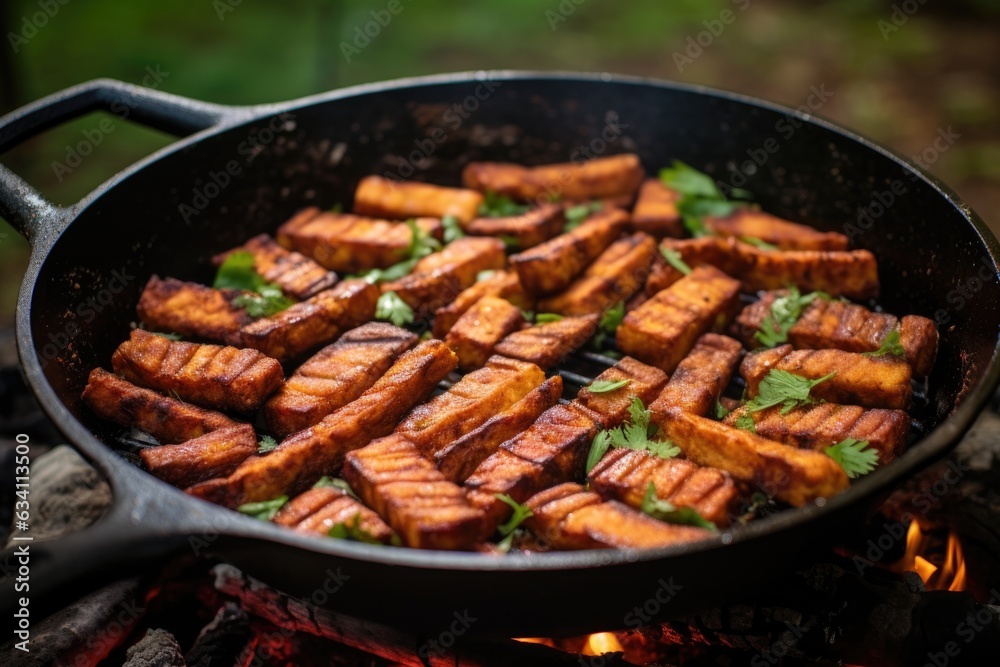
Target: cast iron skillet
[171,212]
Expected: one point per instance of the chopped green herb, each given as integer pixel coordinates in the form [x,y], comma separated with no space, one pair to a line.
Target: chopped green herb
[511,242]
[759,243]
[392,308]
[352,530]
[521,513]
[667,512]
[269,301]
[501,206]
[636,433]
[785,389]
[543,318]
[336,483]
[758,501]
[168,336]
[612,317]
[394,272]
[238,272]
[452,228]
[890,345]
[528,315]
[675,260]
[575,215]
[746,422]
[265,509]
[721,411]
[266,444]
[854,456]
[605,386]
[784,313]
[421,243]
[700,197]
[598,448]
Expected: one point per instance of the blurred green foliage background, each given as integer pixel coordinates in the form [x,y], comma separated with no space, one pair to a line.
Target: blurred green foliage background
[899,70]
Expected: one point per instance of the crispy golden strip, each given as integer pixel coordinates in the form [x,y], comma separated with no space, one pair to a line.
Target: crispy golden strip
[424,508]
[873,382]
[569,517]
[351,243]
[701,376]
[853,274]
[625,475]
[819,426]
[300,460]
[313,323]
[527,230]
[787,235]
[499,384]
[296,275]
[551,266]
[598,178]
[664,329]
[437,279]
[611,407]
[550,451]
[191,310]
[504,284]
[459,458]
[477,332]
[796,476]
[661,277]
[844,326]
[548,344]
[321,508]
[166,419]
[225,378]
[616,274]
[335,376]
[214,454]
[381,197]
[655,211]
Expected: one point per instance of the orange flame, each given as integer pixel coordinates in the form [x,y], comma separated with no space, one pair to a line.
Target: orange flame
[950,576]
[600,643]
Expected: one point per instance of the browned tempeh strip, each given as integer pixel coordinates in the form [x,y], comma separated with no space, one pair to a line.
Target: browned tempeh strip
[568,517]
[321,508]
[599,178]
[526,230]
[352,243]
[504,284]
[296,275]
[439,278]
[214,454]
[499,384]
[625,475]
[701,376]
[853,274]
[165,418]
[663,329]
[644,383]
[548,344]
[225,378]
[747,222]
[655,211]
[552,266]
[874,382]
[303,458]
[381,197]
[616,274]
[459,458]
[477,332]
[819,426]
[313,323]
[335,376]
[191,310]
[796,476]
[424,508]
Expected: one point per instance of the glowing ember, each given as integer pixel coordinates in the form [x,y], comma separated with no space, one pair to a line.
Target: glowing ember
[949,576]
[600,643]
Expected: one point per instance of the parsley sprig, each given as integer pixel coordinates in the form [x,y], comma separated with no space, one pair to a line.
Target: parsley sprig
[758,243]
[452,228]
[666,511]
[501,206]
[782,388]
[266,444]
[700,197]
[606,386]
[636,433]
[263,510]
[610,321]
[336,483]
[784,313]
[545,318]
[262,299]
[421,245]
[391,307]
[854,456]
[352,530]
[675,260]
[890,345]
[575,215]
[521,513]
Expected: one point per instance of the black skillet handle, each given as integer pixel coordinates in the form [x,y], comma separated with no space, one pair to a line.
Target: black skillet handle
[30,213]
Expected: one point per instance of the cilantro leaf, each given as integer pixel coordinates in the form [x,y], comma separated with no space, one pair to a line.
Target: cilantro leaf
[500,206]
[598,448]
[521,512]
[390,306]
[854,456]
[543,318]
[421,243]
[890,345]
[700,197]
[745,421]
[612,318]
[510,242]
[666,511]
[452,228]
[605,386]
[239,272]
[784,313]
[675,260]
[636,433]
[352,530]
[721,411]
[785,389]
[168,336]
[394,272]
[263,510]
[575,215]
[759,243]
[336,483]
[266,444]
[269,301]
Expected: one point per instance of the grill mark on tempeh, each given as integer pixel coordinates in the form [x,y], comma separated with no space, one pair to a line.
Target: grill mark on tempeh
[504,284]
[297,275]
[192,310]
[211,455]
[527,230]
[701,376]
[321,508]
[477,332]
[548,344]
[382,197]
[787,235]
[611,408]
[599,178]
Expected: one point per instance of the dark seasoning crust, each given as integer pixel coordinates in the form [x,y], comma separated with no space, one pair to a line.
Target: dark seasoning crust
[434,459]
